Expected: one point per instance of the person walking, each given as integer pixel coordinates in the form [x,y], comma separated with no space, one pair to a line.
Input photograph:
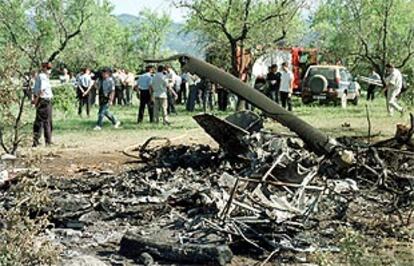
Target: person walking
[273,79]
[371,88]
[160,93]
[286,87]
[393,86]
[106,99]
[84,91]
[42,97]
[144,89]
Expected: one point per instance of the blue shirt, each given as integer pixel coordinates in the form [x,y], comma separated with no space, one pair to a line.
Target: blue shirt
[108,86]
[144,82]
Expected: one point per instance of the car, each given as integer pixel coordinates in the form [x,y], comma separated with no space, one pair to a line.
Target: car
[330,83]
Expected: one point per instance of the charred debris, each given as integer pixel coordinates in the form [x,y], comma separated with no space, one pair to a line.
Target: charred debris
[261,195]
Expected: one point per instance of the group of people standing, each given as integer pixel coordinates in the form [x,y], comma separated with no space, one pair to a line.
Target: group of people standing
[280,85]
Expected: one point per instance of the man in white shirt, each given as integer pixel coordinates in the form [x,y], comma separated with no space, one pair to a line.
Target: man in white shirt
[160,93]
[286,87]
[42,93]
[84,91]
[394,83]
[144,89]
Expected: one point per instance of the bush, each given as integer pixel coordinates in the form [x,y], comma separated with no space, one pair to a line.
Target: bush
[64,98]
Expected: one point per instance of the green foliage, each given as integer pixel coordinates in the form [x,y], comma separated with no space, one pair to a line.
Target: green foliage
[152,32]
[366,33]
[12,101]
[64,99]
[257,25]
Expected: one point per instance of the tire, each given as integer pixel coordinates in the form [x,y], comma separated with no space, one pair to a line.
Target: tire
[318,84]
[344,100]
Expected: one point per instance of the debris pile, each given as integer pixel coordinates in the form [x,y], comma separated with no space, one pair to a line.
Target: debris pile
[195,204]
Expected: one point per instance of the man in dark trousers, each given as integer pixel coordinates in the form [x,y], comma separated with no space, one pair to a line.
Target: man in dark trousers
[273,79]
[42,97]
[144,89]
[84,91]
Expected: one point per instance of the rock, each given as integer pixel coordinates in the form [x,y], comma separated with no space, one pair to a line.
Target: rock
[84,260]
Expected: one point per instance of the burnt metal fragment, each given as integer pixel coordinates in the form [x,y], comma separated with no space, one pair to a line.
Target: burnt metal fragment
[133,245]
[315,139]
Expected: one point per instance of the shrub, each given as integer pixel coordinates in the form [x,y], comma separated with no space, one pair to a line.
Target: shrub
[64,98]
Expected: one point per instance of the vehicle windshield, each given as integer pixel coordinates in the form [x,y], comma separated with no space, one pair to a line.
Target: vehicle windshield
[328,73]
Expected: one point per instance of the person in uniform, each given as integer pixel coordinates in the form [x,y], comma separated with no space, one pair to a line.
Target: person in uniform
[106,99]
[42,97]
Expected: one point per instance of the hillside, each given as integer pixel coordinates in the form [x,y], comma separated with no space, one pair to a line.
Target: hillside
[177,40]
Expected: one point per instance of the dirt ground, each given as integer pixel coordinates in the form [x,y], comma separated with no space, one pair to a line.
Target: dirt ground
[75,153]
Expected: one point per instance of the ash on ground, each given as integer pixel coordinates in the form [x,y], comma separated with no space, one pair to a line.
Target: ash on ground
[192,205]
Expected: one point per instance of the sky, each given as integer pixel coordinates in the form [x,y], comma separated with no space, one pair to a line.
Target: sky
[132,7]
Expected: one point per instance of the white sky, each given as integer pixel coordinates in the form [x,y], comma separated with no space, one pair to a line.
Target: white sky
[132,7]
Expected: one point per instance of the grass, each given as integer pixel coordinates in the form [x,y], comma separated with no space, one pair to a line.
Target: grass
[69,128]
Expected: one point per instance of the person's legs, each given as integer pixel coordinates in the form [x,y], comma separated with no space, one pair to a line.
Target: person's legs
[110,116]
[37,127]
[101,114]
[370,95]
[88,104]
[393,102]
[164,109]
[283,98]
[157,105]
[142,103]
[289,103]
[47,124]
[277,100]
[128,96]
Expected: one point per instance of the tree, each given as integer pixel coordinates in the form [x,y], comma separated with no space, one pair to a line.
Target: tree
[372,32]
[239,22]
[103,42]
[151,32]
[32,31]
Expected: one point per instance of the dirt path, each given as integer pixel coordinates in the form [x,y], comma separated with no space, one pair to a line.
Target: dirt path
[102,151]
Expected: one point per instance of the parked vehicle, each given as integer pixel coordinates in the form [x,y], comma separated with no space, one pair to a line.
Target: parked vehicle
[330,83]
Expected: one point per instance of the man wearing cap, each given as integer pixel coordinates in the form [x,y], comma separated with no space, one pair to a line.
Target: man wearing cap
[144,89]
[42,97]
[106,98]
